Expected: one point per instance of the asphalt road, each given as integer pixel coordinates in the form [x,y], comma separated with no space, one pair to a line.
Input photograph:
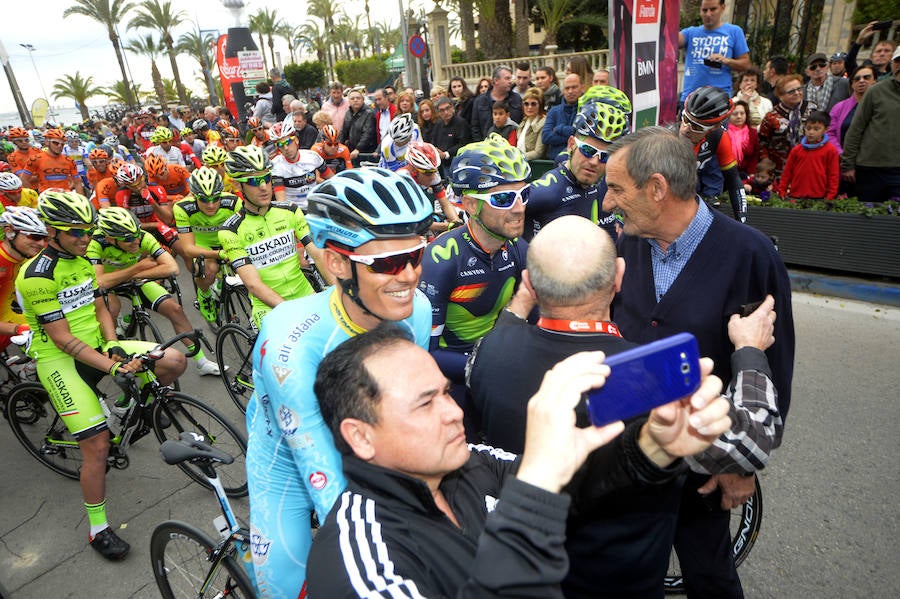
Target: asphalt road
[829,528]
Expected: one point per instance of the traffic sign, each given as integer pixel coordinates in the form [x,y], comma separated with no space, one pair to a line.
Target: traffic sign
[417,46]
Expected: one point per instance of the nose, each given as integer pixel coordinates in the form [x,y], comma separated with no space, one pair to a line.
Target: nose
[451,411]
[409,273]
[609,203]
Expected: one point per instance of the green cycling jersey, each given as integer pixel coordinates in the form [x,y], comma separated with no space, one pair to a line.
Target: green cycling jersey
[190,219]
[101,251]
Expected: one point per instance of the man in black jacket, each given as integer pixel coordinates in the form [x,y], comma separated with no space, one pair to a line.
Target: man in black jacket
[280,88]
[451,132]
[482,106]
[426,514]
[358,131]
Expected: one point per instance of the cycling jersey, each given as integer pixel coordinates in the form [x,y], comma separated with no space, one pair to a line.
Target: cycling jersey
[338,161]
[77,155]
[393,157]
[51,171]
[101,251]
[18,160]
[188,156]
[27,197]
[140,202]
[172,156]
[292,464]
[190,219]
[269,243]
[557,194]
[296,178]
[467,288]
[717,168]
[94,176]
[9,268]
[175,184]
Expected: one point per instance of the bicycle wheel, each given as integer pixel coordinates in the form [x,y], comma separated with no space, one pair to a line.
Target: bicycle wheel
[41,431]
[234,349]
[746,521]
[235,305]
[145,328]
[176,413]
[182,556]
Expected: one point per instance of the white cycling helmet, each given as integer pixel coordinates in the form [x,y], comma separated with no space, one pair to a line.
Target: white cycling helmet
[282,130]
[10,182]
[24,219]
[112,141]
[72,135]
[402,128]
[423,156]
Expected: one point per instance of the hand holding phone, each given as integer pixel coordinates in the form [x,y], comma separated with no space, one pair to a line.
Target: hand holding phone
[713,64]
[755,327]
[882,25]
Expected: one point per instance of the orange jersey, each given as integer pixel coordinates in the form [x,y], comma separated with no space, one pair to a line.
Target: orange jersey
[338,161]
[105,189]
[52,171]
[95,176]
[176,184]
[18,160]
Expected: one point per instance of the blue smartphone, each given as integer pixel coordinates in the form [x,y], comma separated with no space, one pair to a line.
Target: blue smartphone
[645,377]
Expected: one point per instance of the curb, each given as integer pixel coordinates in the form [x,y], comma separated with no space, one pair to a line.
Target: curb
[854,289]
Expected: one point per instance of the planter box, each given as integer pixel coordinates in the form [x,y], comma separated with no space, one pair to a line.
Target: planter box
[853,243]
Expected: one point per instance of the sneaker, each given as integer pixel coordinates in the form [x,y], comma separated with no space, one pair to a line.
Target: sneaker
[207,366]
[109,545]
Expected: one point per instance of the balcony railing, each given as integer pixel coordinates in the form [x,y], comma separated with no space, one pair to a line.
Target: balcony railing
[473,71]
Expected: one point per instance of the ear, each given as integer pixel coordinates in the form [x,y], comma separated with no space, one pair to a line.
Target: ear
[469,204]
[526,282]
[620,273]
[657,187]
[570,144]
[336,264]
[358,435]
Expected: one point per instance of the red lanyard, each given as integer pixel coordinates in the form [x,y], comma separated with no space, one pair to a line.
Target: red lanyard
[579,326]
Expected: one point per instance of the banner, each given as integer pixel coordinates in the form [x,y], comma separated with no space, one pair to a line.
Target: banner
[644,36]
[39,109]
[229,72]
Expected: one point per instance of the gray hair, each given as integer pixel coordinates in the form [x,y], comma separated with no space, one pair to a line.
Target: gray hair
[660,150]
[498,70]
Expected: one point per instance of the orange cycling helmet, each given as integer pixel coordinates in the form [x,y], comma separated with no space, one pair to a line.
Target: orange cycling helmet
[115,163]
[221,124]
[17,133]
[253,122]
[54,134]
[231,132]
[98,154]
[330,134]
[154,165]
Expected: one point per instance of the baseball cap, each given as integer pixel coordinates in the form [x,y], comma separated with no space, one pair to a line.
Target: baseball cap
[896,54]
[838,56]
[816,57]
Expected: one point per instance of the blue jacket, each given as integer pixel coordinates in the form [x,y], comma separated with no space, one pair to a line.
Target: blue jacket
[558,128]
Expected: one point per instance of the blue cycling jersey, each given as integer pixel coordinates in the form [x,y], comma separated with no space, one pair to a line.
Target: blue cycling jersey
[292,464]
[557,194]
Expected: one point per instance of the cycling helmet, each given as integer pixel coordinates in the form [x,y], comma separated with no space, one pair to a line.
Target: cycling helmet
[118,223]
[423,156]
[200,125]
[356,206]
[70,135]
[154,164]
[231,132]
[282,130]
[54,134]
[214,156]
[161,134]
[223,124]
[4,166]
[607,95]
[10,182]
[186,131]
[402,128]
[98,154]
[708,105]
[206,183]
[246,160]
[329,134]
[17,133]
[24,219]
[488,163]
[60,208]
[253,122]
[111,141]
[128,174]
[115,164]
[601,121]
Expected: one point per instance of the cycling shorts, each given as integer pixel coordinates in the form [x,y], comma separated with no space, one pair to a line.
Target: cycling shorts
[72,389]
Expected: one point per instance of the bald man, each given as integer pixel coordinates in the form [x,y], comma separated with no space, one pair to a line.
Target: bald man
[618,545]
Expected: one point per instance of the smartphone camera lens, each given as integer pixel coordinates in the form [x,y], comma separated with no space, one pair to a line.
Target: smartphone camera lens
[685,368]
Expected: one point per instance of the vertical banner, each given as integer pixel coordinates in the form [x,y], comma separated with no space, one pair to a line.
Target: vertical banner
[645,54]
[39,109]
[229,72]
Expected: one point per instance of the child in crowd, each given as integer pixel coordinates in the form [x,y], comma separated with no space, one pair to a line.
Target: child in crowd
[760,184]
[502,123]
[812,169]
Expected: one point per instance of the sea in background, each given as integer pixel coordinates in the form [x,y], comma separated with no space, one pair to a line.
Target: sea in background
[64,115]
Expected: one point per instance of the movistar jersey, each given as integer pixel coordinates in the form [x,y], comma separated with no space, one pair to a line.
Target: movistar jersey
[101,251]
[292,464]
[269,243]
[54,285]
[190,219]
[557,194]
[467,286]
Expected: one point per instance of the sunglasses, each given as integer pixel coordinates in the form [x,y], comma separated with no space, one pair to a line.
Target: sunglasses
[77,233]
[128,238]
[258,128]
[504,200]
[35,236]
[695,126]
[256,181]
[208,199]
[818,65]
[863,77]
[589,151]
[282,143]
[387,263]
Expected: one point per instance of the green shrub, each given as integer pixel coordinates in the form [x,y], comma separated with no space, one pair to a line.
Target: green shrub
[365,71]
[306,75]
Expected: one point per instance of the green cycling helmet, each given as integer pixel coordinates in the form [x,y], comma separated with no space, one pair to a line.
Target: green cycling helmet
[601,121]
[161,134]
[608,95]
[206,183]
[118,223]
[214,156]
[64,209]
[246,160]
[488,163]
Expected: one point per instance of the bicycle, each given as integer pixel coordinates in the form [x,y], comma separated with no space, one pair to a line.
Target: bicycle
[746,521]
[139,323]
[151,406]
[229,294]
[186,562]
[234,355]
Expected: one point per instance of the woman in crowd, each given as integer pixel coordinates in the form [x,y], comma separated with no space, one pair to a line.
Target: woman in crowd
[782,128]
[842,113]
[758,106]
[406,104]
[484,84]
[744,140]
[437,92]
[427,119]
[462,98]
[545,79]
[581,67]
[529,133]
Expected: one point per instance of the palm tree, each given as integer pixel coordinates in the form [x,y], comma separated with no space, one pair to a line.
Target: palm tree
[116,92]
[200,49]
[325,10]
[312,36]
[288,34]
[148,46]
[73,86]
[161,17]
[169,85]
[389,37]
[254,28]
[556,13]
[266,22]
[108,13]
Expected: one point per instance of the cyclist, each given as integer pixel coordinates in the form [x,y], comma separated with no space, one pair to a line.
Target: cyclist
[24,235]
[189,138]
[74,344]
[231,138]
[171,177]
[122,252]
[77,151]
[214,157]
[143,131]
[51,168]
[13,194]
[199,217]
[162,146]
[149,203]
[205,134]
[577,186]
[401,131]
[99,167]
[706,110]
[470,273]
[373,246]
[335,154]
[261,240]
[422,164]
[23,153]
[294,171]
[118,150]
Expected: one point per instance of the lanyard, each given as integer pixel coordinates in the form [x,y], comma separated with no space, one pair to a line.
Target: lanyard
[579,326]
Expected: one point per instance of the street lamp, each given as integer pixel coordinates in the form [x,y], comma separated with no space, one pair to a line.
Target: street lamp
[31,49]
